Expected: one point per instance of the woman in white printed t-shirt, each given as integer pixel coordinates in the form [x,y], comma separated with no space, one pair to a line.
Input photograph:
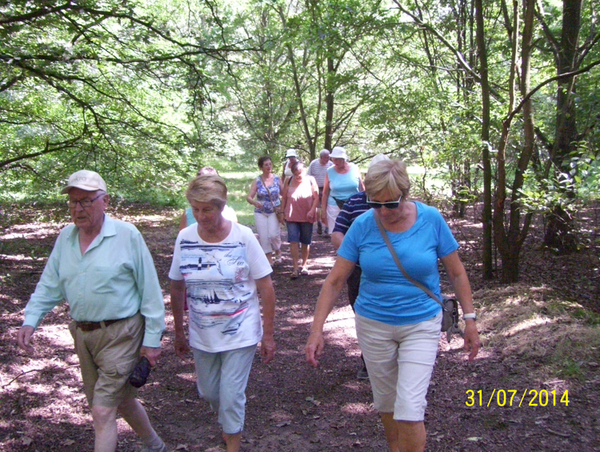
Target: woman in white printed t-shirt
[221,269]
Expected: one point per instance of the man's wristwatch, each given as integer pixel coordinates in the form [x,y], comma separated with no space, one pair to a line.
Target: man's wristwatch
[470,315]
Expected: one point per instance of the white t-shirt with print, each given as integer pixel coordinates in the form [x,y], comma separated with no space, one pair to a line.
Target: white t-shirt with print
[224,311]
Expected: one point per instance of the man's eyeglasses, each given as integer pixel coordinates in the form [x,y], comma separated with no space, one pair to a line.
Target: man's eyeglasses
[84,203]
[387,205]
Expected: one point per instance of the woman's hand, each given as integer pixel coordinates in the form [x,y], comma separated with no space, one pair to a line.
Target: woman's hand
[472,342]
[314,347]
[329,294]
[281,217]
[181,346]
[267,348]
[462,289]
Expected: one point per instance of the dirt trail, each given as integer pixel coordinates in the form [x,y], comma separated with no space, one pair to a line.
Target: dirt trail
[291,407]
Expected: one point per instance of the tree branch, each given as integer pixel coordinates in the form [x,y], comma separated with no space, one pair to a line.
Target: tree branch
[567,75]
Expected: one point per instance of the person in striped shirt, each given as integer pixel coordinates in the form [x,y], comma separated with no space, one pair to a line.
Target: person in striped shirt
[318,169]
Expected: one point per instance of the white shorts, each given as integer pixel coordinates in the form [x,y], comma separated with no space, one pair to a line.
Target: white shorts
[332,214]
[400,361]
[269,231]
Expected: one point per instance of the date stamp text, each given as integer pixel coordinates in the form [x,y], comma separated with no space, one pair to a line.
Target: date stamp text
[515,398]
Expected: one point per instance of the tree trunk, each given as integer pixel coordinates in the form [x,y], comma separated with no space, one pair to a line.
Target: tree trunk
[510,266]
[509,239]
[560,231]
[485,139]
[329,104]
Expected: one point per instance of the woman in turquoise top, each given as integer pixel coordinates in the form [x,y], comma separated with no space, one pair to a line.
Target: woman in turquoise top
[397,323]
[341,182]
[267,189]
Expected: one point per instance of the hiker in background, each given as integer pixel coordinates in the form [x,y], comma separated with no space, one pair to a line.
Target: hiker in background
[221,269]
[300,200]
[188,219]
[291,157]
[397,324]
[318,169]
[353,208]
[267,209]
[341,181]
[103,269]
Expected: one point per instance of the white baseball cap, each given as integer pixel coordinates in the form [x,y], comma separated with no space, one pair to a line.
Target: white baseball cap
[85,180]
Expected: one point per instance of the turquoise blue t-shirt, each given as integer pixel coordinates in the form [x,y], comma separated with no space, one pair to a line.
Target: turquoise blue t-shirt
[385,294]
[343,186]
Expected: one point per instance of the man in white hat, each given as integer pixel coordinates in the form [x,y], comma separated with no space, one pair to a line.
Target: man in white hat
[291,157]
[318,170]
[103,269]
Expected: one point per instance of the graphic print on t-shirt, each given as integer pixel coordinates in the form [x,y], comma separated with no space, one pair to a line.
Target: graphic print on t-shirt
[216,278]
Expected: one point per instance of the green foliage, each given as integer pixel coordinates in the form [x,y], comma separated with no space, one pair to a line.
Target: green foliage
[146,92]
[99,86]
[543,194]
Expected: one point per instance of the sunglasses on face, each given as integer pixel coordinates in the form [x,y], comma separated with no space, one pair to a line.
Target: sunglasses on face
[387,205]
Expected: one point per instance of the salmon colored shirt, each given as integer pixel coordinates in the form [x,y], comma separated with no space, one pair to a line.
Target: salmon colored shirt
[300,200]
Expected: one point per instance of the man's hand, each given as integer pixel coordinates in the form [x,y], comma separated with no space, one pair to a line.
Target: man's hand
[24,338]
[151,353]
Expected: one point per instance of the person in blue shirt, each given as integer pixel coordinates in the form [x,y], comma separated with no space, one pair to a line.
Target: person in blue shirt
[352,209]
[397,324]
[104,270]
[341,182]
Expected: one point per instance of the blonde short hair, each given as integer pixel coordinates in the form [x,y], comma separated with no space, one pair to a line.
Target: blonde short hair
[207,188]
[388,175]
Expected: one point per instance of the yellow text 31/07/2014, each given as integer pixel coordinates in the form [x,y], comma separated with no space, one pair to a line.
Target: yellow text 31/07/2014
[513,397]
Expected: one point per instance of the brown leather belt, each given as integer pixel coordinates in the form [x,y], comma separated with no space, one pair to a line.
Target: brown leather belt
[92,326]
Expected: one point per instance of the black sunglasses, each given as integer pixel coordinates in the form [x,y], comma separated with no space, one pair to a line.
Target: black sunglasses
[387,205]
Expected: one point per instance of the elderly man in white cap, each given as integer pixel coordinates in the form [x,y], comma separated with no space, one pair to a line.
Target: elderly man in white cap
[103,269]
[318,170]
[291,157]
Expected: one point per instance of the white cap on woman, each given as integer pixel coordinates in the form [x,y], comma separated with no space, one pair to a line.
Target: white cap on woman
[339,152]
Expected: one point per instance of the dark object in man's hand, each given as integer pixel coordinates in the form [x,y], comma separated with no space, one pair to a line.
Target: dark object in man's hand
[138,377]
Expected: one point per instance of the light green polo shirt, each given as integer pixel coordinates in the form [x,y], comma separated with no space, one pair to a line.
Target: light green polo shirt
[114,279]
